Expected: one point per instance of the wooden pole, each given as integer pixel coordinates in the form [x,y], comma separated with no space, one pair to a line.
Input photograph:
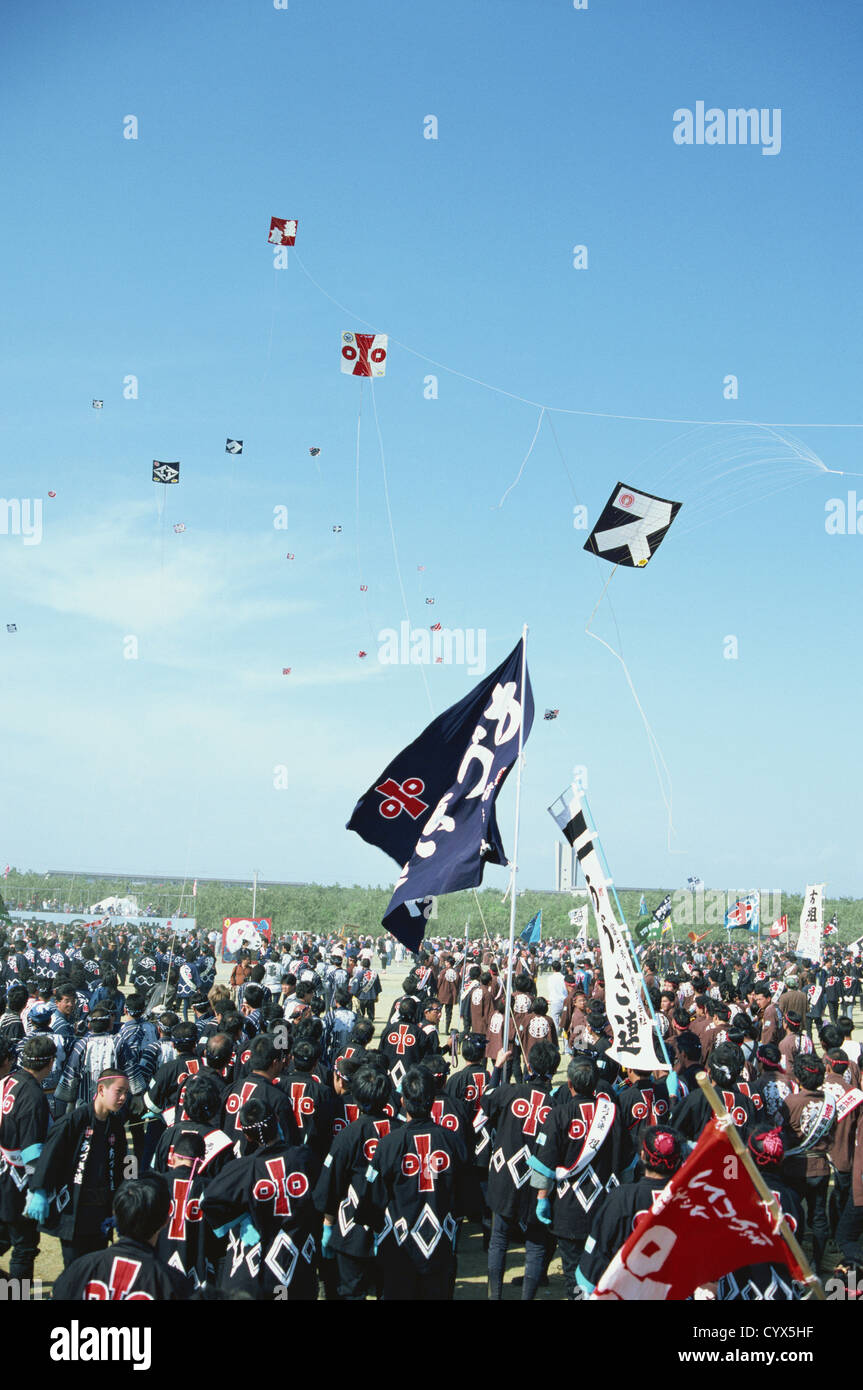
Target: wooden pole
[760,1185]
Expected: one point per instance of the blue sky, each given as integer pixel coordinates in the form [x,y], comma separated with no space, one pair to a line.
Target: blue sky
[150,257]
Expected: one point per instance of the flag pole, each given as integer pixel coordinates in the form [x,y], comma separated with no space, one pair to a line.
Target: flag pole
[767,1197]
[512,904]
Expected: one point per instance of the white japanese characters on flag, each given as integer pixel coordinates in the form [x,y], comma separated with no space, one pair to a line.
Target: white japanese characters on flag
[632,1027]
[578,918]
[811,922]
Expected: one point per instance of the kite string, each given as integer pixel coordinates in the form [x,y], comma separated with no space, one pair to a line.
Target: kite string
[393,534]
[653,743]
[564,410]
[357,520]
[523,462]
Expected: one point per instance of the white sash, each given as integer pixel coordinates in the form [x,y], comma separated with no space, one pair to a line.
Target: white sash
[596,1136]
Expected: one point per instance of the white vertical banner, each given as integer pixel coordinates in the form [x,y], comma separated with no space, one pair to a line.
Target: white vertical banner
[634,1035]
[811,922]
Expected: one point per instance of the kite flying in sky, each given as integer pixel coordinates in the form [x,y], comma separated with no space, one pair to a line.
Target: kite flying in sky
[233,446]
[165,472]
[364,354]
[314,451]
[283,231]
[97,405]
[632,526]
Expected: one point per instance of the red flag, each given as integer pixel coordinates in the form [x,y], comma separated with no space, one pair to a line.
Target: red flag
[708,1221]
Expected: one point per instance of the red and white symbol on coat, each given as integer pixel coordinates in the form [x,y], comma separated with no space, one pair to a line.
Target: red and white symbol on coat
[382,1128]
[426,1163]
[119,1286]
[532,1111]
[280,1187]
[399,1040]
[402,798]
[625,499]
[182,1210]
[448,1121]
[303,1104]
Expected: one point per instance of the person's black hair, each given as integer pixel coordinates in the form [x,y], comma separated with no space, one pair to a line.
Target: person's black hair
[408,1011]
[418,1092]
[263,1052]
[202,1097]
[7,1050]
[370,1089]
[252,995]
[523,984]
[831,1036]
[141,1207]
[808,1070]
[305,1055]
[37,1051]
[135,1004]
[438,1065]
[473,1048]
[64,991]
[189,1144]
[185,1036]
[101,1020]
[168,1020]
[540,1005]
[341,998]
[16,998]
[409,984]
[581,1073]
[231,1023]
[845,1026]
[725,1063]
[364,1031]
[681,1017]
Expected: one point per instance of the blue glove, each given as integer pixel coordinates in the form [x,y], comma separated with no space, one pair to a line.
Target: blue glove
[36,1207]
[543,1210]
[326,1237]
[249,1234]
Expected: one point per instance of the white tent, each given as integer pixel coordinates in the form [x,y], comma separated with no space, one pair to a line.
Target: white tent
[117,907]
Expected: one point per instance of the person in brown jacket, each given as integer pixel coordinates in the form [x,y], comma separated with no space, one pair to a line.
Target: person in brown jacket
[793,998]
[839,1081]
[768,1016]
[239,975]
[448,988]
[809,1120]
[794,1041]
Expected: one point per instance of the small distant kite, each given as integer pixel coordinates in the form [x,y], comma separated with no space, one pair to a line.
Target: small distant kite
[429,600]
[421,569]
[435,627]
[233,446]
[438,660]
[283,231]
[314,451]
[551,714]
[179,526]
[166,472]
[52,494]
[362,653]
[11,627]
[336,530]
[97,405]
[632,527]
[364,354]
[364,588]
[286,670]
[290,555]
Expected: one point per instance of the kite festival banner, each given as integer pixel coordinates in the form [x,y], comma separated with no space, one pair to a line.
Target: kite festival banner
[238,932]
[811,922]
[634,1035]
[433,807]
[69,919]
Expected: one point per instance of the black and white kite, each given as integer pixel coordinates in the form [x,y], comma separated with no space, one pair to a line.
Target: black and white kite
[233,446]
[97,405]
[631,527]
[11,627]
[336,530]
[551,714]
[165,472]
[314,451]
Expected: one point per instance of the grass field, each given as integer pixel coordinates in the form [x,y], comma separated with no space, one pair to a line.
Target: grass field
[472,1265]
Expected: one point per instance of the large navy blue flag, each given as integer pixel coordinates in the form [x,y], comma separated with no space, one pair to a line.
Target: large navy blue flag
[433,807]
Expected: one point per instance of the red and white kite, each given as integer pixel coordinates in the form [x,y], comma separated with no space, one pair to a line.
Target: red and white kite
[364,354]
[364,588]
[283,231]
[286,670]
[362,653]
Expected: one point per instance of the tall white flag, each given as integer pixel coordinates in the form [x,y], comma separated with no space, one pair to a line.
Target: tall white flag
[632,1027]
[811,922]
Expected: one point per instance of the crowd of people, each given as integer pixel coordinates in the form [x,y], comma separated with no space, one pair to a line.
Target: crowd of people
[277,1136]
